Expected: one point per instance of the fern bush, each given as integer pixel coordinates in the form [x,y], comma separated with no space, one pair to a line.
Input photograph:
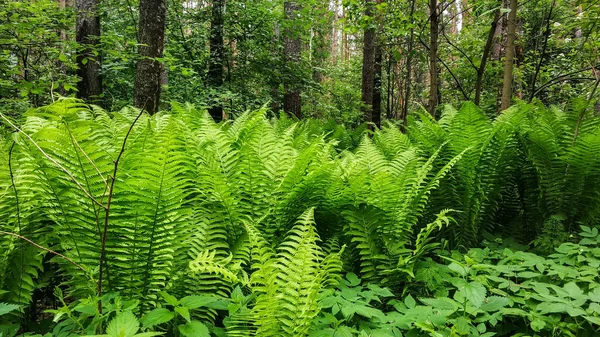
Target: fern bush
[263,207]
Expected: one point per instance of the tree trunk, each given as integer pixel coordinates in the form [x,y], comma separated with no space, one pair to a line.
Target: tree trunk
[87,28]
[368,66]
[376,114]
[509,57]
[484,57]
[215,64]
[409,52]
[148,70]
[433,47]
[292,103]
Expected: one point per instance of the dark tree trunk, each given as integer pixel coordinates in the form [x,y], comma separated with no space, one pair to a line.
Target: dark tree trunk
[368,66]
[151,39]
[433,47]
[87,36]
[215,65]
[484,57]
[291,98]
[408,79]
[509,57]
[376,116]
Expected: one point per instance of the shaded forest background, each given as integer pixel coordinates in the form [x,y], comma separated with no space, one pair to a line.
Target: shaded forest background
[351,61]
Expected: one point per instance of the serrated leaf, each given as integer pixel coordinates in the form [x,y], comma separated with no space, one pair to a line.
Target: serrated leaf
[194,329]
[537,325]
[474,292]
[170,299]
[5,308]
[494,303]
[156,317]
[442,303]
[184,312]
[455,267]
[123,325]
[196,301]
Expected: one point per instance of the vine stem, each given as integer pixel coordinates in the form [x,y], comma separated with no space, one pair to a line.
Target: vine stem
[107,209]
[44,248]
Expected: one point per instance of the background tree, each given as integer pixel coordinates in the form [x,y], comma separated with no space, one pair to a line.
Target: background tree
[292,103]
[509,58]
[217,54]
[88,54]
[368,61]
[151,44]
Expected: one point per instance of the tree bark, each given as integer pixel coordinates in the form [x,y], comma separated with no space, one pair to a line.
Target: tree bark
[215,64]
[484,57]
[408,78]
[87,36]
[368,66]
[292,103]
[509,56]
[148,70]
[433,47]
[376,115]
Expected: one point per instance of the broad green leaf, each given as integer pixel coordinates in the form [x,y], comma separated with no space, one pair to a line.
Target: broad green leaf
[442,303]
[593,320]
[474,292]
[494,303]
[170,299]
[196,301]
[537,324]
[410,302]
[194,329]
[123,325]
[156,317]
[353,279]
[184,312]
[455,267]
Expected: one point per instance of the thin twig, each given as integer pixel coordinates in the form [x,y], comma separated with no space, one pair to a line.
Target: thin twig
[44,248]
[107,209]
[85,154]
[54,162]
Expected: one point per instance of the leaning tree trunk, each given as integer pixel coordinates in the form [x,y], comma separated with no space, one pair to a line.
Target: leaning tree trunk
[368,66]
[292,104]
[87,28]
[484,57]
[151,39]
[509,57]
[433,47]
[215,65]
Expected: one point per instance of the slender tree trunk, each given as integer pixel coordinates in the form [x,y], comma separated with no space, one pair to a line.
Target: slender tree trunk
[484,57]
[215,64]
[87,28]
[433,47]
[409,56]
[509,57]
[368,66]
[292,103]
[376,114]
[148,70]
[542,53]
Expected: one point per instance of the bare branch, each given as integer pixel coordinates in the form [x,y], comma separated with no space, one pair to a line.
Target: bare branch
[44,248]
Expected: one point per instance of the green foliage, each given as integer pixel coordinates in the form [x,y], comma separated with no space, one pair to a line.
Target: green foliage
[253,220]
